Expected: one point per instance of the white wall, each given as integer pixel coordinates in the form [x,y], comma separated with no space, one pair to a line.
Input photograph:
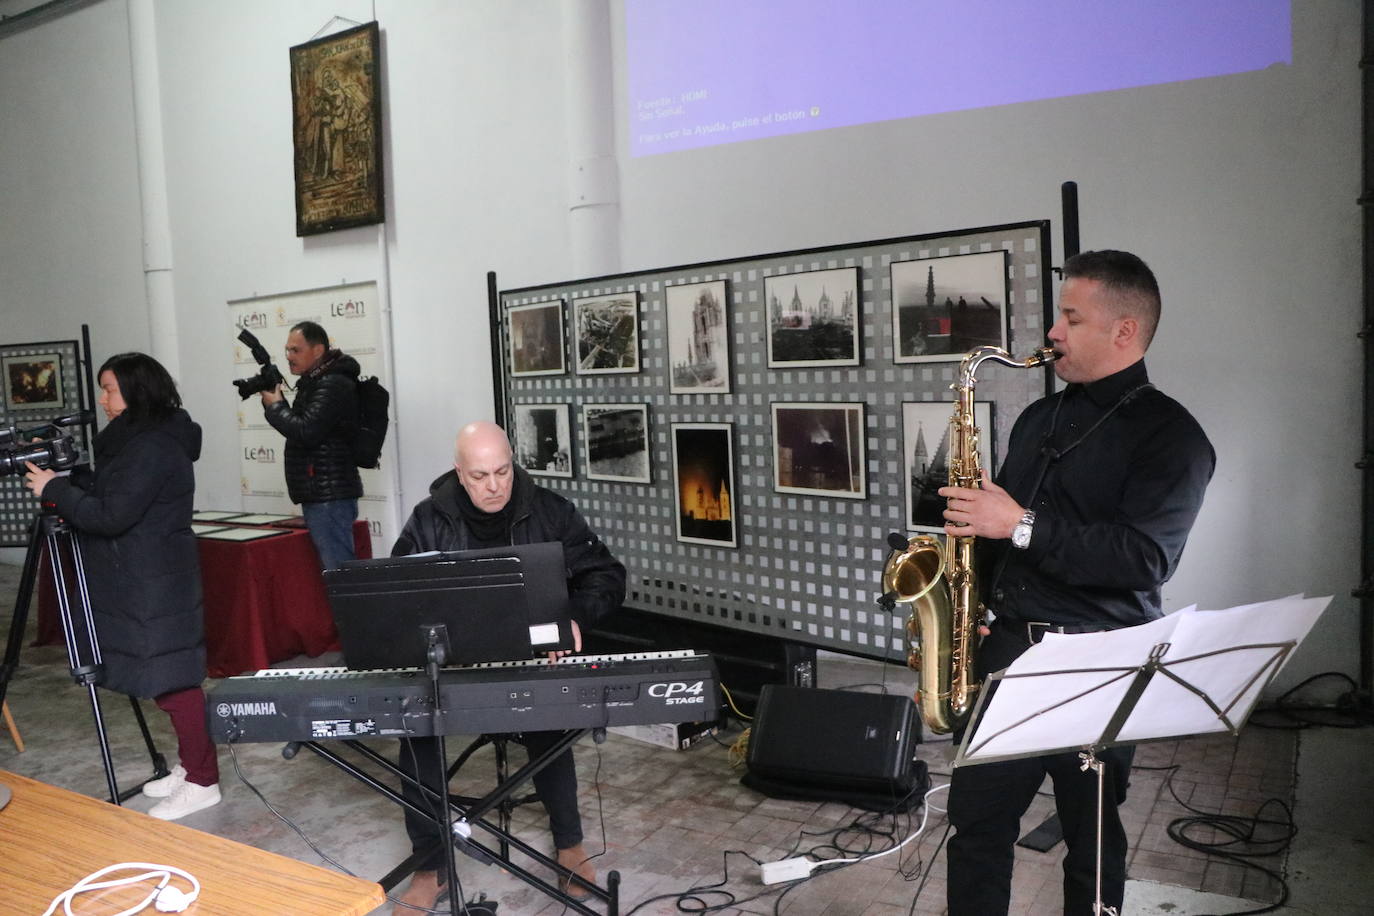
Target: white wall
[1240,191]
[69,205]
[474,159]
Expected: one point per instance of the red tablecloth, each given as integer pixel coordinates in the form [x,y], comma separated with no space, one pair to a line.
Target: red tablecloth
[264,600]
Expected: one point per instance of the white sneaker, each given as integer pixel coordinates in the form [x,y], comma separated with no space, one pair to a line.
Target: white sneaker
[161,788]
[185,799]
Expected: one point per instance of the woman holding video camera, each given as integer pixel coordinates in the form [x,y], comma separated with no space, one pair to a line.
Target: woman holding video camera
[142,565]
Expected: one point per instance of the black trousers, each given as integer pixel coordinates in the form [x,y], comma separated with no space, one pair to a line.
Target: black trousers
[986,802]
[556,786]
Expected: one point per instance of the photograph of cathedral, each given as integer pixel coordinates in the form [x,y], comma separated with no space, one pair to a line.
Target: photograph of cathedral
[704,483]
[698,338]
[944,307]
[925,456]
[813,318]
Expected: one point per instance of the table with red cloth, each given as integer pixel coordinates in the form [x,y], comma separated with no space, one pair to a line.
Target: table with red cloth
[264,600]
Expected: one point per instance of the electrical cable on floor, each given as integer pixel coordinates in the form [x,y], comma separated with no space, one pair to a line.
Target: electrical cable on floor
[1285,714]
[694,895]
[1244,831]
[929,870]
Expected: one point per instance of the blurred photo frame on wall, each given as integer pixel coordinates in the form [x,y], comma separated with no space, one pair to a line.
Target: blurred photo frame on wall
[607,333]
[818,449]
[33,381]
[336,117]
[944,307]
[536,339]
[543,439]
[617,441]
[814,318]
[925,457]
[698,337]
[704,483]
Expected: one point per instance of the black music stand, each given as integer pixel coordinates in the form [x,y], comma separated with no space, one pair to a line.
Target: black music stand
[507,603]
[1180,676]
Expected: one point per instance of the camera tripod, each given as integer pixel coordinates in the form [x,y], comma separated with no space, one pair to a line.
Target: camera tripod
[83,647]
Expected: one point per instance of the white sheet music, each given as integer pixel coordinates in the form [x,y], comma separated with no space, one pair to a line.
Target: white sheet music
[1062,693]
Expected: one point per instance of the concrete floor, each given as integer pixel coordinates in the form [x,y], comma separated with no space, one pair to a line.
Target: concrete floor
[670,821]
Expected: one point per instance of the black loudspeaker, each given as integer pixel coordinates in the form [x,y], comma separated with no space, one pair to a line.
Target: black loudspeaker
[856,742]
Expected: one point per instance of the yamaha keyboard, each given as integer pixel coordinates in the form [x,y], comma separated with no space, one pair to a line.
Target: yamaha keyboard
[575,692]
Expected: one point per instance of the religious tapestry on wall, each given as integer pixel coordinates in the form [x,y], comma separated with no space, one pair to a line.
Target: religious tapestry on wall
[336,108]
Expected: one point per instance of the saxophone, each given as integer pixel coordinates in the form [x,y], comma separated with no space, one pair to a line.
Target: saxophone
[939,581]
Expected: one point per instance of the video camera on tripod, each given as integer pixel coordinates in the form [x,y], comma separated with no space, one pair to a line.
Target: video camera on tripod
[47,446]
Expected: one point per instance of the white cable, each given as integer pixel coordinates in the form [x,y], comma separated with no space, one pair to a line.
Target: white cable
[164,896]
[925,812]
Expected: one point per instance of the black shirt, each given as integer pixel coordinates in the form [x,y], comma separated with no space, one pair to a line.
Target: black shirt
[1113,510]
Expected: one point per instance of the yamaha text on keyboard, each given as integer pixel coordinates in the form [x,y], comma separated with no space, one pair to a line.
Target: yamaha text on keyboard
[284,704]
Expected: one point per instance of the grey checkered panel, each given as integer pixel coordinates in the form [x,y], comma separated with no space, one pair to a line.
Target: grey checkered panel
[807,568]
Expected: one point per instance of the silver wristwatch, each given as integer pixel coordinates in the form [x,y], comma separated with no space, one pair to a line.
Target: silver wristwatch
[1021,534]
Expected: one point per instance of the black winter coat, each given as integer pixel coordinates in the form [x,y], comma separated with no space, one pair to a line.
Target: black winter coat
[133,517]
[319,430]
[596,580]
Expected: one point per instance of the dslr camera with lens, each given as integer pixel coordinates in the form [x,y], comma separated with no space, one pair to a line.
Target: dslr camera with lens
[268,376]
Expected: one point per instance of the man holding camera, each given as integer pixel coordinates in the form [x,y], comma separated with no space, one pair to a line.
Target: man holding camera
[321,473]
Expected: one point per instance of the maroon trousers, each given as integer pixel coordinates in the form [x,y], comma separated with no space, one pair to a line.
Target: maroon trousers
[194,747]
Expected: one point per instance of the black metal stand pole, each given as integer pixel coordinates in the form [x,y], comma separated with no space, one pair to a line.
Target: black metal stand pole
[1091,762]
[436,655]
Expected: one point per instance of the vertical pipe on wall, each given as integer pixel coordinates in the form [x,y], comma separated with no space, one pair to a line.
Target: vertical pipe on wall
[152,183]
[593,172]
[1365,591]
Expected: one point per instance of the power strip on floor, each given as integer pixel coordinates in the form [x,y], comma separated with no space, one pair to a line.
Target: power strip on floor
[793,869]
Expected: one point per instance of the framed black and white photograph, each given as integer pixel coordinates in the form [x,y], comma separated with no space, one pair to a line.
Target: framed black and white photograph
[925,457]
[617,438]
[944,307]
[818,449]
[813,318]
[543,439]
[536,339]
[607,333]
[699,338]
[704,483]
[33,381]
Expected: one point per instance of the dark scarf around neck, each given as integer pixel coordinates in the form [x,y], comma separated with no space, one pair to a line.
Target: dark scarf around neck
[489,529]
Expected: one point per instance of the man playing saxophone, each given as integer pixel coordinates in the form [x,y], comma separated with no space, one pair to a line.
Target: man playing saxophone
[1085,522]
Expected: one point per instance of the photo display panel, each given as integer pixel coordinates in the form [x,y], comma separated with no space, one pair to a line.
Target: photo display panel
[39,382]
[672,457]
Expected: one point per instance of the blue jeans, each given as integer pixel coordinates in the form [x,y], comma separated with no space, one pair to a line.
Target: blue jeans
[331,528]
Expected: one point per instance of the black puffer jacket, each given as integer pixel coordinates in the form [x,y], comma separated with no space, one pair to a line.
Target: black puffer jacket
[596,580]
[319,430]
[142,565]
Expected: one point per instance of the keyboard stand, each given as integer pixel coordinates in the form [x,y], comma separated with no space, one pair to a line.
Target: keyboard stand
[472,812]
